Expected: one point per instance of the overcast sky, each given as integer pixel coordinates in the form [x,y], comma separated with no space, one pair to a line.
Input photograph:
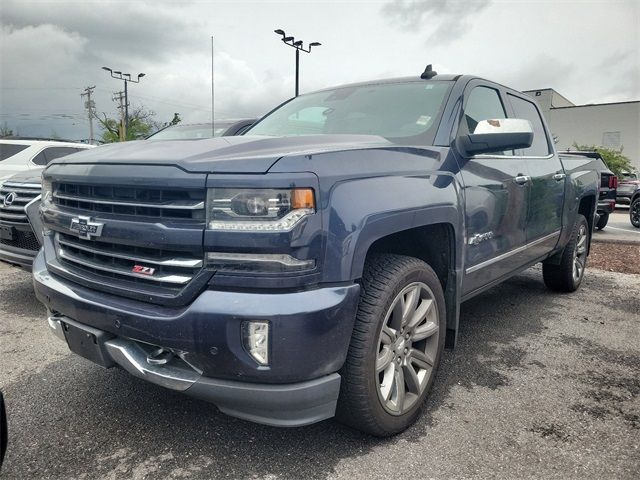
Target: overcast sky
[50,50]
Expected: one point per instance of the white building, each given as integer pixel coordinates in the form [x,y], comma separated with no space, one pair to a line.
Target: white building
[610,125]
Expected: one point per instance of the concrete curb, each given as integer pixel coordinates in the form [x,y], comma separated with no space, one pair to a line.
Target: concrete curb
[618,241]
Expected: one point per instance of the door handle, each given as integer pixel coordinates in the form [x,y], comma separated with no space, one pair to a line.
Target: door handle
[522,179]
[559,176]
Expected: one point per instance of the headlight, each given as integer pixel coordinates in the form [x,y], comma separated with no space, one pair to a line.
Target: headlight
[47,193]
[258,210]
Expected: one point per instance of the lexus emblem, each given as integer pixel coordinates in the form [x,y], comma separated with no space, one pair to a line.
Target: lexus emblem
[9,199]
[85,228]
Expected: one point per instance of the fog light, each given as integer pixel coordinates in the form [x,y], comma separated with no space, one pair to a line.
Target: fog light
[255,336]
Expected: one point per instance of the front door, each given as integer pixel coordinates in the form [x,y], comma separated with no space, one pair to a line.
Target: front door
[496,192]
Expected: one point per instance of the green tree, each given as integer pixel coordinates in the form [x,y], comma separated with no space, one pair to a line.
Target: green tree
[142,123]
[5,131]
[613,159]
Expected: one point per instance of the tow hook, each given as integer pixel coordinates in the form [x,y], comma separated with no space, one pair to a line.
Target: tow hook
[160,356]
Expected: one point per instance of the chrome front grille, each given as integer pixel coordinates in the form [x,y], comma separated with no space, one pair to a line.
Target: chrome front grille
[129,264]
[156,203]
[20,194]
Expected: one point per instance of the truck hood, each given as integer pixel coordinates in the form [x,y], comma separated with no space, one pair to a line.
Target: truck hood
[26,176]
[244,154]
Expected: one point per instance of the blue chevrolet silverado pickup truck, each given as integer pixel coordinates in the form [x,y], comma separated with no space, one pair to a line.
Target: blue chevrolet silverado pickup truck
[316,265]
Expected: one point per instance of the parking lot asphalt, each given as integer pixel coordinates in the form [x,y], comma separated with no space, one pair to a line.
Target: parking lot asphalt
[541,385]
[618,229]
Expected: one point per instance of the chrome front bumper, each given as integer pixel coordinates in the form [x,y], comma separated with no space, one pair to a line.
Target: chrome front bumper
[284,405]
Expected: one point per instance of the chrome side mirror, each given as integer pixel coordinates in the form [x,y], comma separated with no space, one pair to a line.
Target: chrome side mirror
[496,135]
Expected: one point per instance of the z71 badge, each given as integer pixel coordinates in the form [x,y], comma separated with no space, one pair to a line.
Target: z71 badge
[85,228]
[142,270]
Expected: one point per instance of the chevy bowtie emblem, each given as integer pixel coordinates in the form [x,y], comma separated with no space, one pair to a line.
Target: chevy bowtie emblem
[9,199]
[85,228]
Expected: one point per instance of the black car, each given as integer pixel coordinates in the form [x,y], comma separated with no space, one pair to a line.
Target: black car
[634,209]
[629,185]
[608,186]
[223,128]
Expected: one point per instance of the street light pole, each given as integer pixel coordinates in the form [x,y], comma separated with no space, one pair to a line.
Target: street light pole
[297,72]
[298,45]
[121,76]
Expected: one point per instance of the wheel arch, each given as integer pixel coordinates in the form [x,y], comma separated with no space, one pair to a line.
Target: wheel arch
[587,208]
[436,240]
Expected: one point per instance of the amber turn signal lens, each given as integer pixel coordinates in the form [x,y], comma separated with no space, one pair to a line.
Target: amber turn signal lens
[302,198]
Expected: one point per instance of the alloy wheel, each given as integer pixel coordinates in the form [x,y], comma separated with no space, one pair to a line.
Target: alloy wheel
[634,213]
[580,254]
[407,348]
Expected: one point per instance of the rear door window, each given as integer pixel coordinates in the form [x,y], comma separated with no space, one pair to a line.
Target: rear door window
[8,150]
[528,111]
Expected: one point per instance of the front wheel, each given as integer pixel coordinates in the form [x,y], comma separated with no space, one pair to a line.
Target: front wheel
[396,345]
[634,213]
[567,276]
[602,221]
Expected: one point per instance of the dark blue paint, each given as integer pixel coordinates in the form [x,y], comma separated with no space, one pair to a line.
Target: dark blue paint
[366,189]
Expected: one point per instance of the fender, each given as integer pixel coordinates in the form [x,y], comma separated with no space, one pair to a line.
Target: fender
[358,219]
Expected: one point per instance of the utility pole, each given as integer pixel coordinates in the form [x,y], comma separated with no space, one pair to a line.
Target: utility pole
[90,105]
[121,99]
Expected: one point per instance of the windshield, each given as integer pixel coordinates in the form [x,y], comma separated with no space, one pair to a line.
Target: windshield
[391,110]
[188,132]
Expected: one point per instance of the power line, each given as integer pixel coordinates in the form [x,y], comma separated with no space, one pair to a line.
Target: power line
[39,88]
[169,101]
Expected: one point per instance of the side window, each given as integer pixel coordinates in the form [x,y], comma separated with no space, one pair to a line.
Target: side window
[528,111]
[51,153]
[8,150]
[483,104]
[40,158]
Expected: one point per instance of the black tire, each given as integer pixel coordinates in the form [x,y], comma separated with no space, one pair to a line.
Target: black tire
[360,406]
[634,213]
[602,221]
[561,278]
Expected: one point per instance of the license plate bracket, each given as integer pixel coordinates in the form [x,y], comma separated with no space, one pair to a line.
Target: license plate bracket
[87,342]
[6,232]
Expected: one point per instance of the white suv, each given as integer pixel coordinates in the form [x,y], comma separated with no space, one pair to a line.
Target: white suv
[20,155]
